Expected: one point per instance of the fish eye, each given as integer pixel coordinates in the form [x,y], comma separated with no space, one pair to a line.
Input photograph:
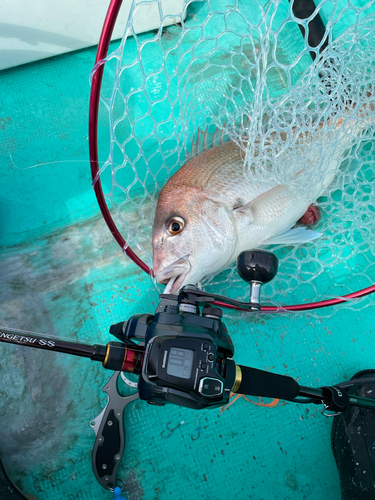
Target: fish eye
[175,225]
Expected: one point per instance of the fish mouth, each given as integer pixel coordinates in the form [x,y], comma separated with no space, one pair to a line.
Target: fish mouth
[174,275]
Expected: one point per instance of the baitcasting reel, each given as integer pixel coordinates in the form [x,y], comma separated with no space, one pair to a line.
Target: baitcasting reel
[188,357]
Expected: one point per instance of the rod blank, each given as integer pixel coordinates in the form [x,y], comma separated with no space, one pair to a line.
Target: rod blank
[95,352]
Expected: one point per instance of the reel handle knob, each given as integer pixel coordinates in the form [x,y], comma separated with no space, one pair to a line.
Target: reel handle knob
[257,267]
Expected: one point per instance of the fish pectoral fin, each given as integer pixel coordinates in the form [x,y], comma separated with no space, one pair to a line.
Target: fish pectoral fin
[278,196]
[292,236]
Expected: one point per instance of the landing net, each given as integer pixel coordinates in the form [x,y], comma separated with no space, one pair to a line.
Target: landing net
[246,69]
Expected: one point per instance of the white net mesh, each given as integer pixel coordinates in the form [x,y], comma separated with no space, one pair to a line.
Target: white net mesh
[246,69]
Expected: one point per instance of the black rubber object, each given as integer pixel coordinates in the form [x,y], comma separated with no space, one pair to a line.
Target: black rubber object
[337,400]
[257,265]
[303,9]
[109,447]
[212,311]
[353,444]
[265,384]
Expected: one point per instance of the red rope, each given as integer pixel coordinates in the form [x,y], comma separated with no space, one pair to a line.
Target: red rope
[96,83]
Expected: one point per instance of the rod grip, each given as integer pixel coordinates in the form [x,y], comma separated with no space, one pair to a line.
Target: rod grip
[254,382]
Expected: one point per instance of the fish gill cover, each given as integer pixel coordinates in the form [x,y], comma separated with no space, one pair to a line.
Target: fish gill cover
[244,68]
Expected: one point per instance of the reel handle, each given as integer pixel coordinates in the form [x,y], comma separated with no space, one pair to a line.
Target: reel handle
[257,267]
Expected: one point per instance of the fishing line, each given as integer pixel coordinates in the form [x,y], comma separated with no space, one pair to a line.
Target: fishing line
[300,8]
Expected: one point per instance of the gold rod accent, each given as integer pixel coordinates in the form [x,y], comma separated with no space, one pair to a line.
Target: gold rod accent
[106,354]
[238,380]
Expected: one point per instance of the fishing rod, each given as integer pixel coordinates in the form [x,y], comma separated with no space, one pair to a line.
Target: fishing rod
[129,357]
[317,39]
[184,355]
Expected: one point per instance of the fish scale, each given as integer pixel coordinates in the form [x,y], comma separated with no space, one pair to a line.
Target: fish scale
[218,170]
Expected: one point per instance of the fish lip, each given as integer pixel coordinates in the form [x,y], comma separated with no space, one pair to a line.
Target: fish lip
[179,269]
[179,281]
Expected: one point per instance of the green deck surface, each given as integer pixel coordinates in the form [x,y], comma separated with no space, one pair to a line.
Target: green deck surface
[63,274]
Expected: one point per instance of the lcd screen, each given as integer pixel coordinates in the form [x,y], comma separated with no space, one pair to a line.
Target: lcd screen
[180,362]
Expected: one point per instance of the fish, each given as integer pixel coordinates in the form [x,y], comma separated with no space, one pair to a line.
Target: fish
[208,212]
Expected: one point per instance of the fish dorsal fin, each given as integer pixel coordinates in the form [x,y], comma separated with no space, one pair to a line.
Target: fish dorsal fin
[256,209]
[205,139]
